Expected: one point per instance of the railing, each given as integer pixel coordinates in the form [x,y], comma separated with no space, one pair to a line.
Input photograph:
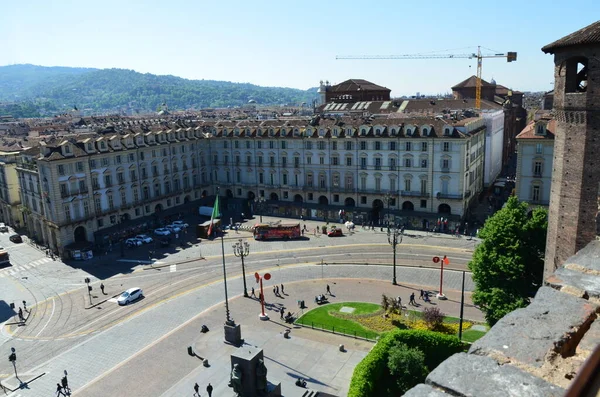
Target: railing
[445,169]
[407,193]
[450,196]
[370,336]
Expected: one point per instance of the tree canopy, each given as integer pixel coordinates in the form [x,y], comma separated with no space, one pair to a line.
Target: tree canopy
[508,265]
[109,90]
[407,366]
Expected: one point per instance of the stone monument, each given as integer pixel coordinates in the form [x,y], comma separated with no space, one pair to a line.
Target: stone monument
[248,364]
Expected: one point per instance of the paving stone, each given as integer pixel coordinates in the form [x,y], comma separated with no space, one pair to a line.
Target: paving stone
[472,375]
[587,282]
[424,391]
[528,335]
[591,339]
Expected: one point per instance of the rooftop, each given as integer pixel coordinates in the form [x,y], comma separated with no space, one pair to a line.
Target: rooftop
[588,35]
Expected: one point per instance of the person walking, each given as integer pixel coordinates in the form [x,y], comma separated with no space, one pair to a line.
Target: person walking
[65,384]
[282,289]
[277,290]
[196,390]
[421,295]
[59,390]
[21,315]
[412,300]
[209,390]
[328,290]
[281,311]
[253,294]
[274,291]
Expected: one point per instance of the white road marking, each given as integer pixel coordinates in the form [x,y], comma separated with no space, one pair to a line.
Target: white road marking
[173,268]
[48,322]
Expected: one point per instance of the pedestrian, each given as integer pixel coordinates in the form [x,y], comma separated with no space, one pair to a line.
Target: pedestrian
[412,300]
[59,390]
[421,295]
[65,384]
[328,290]
[102,288]
[281,311]
[274,291]
[196,390]
[282,289]
[277,290]
[399,302]
[209,390]
[21,315]
[253,294]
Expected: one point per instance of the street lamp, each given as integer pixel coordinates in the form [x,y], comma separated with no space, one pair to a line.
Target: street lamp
[13,359]
[241,250]
[259,206]
[387,198]
[394,236]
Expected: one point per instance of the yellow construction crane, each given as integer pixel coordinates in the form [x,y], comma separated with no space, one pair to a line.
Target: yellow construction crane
[510,57]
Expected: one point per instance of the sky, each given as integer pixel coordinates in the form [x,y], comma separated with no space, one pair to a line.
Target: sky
[294,44]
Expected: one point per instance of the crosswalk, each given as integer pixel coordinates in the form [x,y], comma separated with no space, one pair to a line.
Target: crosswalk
[12,270]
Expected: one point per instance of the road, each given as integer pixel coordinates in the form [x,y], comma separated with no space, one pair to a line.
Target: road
[61,317]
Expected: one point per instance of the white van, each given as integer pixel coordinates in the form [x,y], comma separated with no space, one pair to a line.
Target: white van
[3,228]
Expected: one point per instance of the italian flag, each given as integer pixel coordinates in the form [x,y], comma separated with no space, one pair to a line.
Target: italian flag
[215,214]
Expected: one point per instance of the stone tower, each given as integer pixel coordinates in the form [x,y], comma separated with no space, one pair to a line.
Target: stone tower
[576,168]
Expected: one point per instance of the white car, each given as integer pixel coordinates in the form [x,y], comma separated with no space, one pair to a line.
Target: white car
[181,224]
[173,228]
[130,295]
[133,242]
[144,238]
[162,231]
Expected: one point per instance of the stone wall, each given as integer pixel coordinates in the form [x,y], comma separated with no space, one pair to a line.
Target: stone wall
[534,351]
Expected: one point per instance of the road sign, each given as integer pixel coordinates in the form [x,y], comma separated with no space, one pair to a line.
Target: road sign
[267,276]
[436,259]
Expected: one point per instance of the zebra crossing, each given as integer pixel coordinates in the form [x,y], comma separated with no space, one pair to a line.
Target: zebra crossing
[12,270]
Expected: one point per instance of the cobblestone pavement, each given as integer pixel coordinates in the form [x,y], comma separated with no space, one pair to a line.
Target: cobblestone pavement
[310,354]
[108,349]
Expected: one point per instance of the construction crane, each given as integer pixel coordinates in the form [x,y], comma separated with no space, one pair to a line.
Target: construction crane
[510,57]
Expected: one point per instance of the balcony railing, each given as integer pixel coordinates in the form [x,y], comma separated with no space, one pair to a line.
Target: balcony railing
[445,169]
[407,193]
[450,196]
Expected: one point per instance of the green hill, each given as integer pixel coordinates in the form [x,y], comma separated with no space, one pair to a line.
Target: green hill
[38,89]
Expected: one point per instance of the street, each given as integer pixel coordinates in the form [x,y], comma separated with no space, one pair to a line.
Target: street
[64,330]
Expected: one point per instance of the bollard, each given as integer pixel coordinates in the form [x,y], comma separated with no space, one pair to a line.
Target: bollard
[342,349]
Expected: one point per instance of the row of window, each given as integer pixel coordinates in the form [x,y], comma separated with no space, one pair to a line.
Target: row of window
[363,145]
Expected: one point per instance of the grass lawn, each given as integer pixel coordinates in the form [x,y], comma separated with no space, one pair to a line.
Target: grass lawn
[320,318]
[471,335]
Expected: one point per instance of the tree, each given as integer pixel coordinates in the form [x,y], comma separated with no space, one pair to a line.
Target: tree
[508,265]
[407,367]
[433,317]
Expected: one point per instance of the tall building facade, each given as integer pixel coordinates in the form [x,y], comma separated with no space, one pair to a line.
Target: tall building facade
[411,170]
[576,172]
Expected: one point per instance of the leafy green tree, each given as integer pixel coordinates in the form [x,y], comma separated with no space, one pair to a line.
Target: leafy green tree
[508,265]
[407,367]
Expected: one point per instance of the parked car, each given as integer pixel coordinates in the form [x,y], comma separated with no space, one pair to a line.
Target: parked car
[3,228]
[337,232]
[181,224]
[162,231]
[133,242]
[173,228]
[129,296]
[15,238]
[144,238]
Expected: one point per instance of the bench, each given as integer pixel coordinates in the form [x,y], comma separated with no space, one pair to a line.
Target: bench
[321,301]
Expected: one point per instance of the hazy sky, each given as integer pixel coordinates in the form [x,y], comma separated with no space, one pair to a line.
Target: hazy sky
[294,44]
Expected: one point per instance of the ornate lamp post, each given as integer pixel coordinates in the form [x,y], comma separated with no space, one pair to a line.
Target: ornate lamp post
[259,204]
[387,198]
[241,250]
[394,236]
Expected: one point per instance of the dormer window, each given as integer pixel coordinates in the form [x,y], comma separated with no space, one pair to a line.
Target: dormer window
[540,129]
[377,131]
[393,131]
[102,145]
[90,147]
[425,131]
[283,131]
[363,131]
[67,149]
[446,131]
[271,132]
[409,132]
[237,132]
[335,132]
[321,132]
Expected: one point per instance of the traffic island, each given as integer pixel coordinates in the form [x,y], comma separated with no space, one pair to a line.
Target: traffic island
[14,383]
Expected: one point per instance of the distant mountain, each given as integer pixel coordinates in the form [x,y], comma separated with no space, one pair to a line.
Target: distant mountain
[58,89]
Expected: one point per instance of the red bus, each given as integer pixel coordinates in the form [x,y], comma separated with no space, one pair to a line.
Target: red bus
[281,231]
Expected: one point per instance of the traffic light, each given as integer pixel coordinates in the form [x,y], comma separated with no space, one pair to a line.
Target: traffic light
[511,56]
[12,358]
[89,288]
[87,280]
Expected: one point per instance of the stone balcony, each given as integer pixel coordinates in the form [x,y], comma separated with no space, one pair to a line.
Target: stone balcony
[534,351]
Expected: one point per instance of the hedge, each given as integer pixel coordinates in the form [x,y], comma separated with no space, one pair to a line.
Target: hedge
[371,377]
